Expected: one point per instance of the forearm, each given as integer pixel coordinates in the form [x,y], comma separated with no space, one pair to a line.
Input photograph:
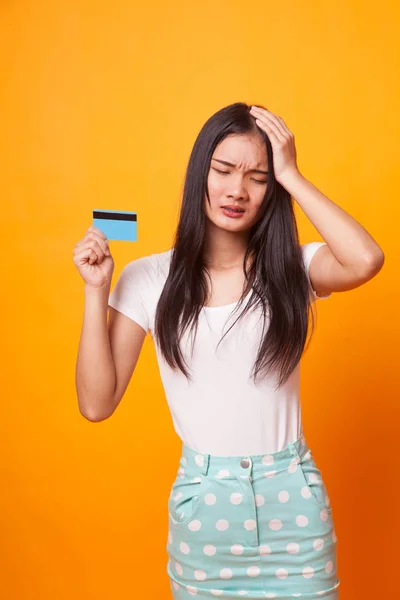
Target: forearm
[95,370]
[349,241]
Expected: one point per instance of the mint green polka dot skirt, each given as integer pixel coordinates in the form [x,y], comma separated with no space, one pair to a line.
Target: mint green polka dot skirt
[257,526]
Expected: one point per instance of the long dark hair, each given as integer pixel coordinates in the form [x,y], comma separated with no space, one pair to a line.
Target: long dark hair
[276,276]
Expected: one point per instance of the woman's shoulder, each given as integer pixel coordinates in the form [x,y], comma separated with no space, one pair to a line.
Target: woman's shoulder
[308,251]
[149,271]
[156,263]
[161,262]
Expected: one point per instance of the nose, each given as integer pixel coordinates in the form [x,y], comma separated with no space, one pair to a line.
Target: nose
[237,188]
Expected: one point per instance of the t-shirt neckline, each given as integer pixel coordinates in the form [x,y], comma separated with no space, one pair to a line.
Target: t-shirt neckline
[212,308]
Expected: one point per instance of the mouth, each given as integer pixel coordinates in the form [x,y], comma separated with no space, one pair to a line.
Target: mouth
[233,209]
[232,212]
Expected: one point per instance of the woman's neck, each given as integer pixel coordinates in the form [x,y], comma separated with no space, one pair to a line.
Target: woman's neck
[224,250]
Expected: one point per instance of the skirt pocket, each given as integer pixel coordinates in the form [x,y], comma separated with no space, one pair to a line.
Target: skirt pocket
[312,477]
[184,500]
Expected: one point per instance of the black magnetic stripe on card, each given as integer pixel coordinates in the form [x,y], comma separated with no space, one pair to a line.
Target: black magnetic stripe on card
[114,216]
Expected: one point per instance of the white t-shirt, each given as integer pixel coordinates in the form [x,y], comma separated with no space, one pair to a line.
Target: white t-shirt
[221,411]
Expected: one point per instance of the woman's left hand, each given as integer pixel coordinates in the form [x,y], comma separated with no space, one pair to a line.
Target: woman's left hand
[282,142]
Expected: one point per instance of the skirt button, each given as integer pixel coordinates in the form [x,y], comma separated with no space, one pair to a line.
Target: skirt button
[244,463]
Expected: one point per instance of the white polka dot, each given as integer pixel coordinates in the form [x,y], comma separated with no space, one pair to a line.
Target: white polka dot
[222,524]
[306,492]
[324,514]
[334,537]
[177,496]
[196,479]
[217,592]
[175,585]
[270,595]
[200,575]
[209,550]
[269,474]
[318,544]
[250,524]
[194,525]
[313,478]
[283,496]
[199,460]
[170,537]
[210,499]
[281,573]
[329,566]
[237,549]
[242,592]
[296,595]
[225,573]
[236,498]
[184,548]
[301,520]
[223,473]
[183,459]
[253,571]
[292,468]
[265,549]
[275,524]
[178,568]
[259,499]
[308,572]
[267,460]
[292,547]
[192,590]
[181,472]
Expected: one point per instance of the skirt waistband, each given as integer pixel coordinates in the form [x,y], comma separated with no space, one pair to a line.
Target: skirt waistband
[194,463]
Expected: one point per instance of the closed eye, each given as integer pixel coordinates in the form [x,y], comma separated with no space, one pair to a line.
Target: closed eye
[227,173]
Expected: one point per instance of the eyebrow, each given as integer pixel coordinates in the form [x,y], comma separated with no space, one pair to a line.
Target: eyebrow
[225,162]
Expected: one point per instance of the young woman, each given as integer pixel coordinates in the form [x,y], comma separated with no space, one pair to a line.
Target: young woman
[228,308]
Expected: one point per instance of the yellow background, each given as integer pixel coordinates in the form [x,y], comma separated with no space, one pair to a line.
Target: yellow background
[101,103]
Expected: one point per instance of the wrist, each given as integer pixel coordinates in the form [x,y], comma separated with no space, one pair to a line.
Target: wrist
[290,179]
[101,290]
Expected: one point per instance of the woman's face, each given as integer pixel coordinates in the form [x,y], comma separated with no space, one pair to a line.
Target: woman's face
[237,184]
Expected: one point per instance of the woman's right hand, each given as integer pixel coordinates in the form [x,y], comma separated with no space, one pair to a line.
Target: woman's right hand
[93,259]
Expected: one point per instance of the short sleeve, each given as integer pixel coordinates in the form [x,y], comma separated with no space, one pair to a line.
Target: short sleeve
[131,293]
[308,252]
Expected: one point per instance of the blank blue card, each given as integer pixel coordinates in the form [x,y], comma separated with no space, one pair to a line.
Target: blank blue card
[116,224]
